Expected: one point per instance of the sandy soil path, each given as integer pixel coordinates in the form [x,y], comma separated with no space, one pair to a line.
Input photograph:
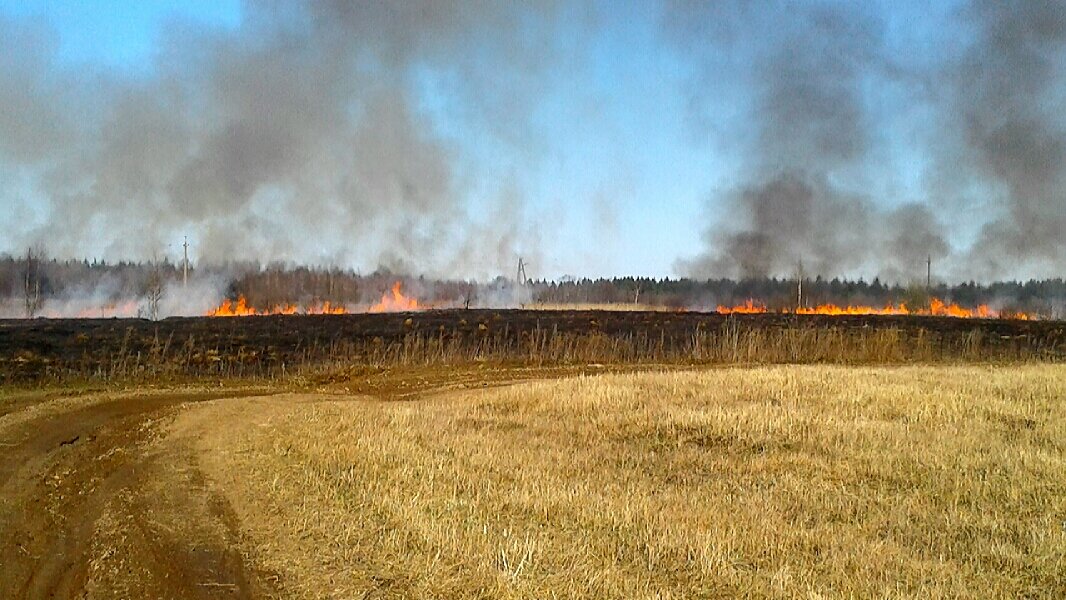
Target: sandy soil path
[99,499]
[94,504]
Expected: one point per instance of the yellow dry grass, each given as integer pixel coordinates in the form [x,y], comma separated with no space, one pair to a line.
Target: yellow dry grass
[749,482]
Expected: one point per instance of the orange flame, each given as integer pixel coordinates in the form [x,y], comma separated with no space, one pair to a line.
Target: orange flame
[228,308]
[395,301]
[832,309]
[750,307]
[937,308]
[329,309]
[240,308]
[391,301]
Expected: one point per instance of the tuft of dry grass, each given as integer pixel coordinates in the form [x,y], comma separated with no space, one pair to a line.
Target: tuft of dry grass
[775,481]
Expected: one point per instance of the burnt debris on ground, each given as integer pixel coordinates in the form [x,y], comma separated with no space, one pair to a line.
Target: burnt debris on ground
[276,346]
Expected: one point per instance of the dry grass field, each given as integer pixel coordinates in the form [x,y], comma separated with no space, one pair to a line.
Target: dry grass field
[773,481]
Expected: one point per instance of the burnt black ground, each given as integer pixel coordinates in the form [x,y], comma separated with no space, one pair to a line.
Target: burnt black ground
[46,348]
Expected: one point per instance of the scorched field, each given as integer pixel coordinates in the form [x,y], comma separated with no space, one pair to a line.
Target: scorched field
[315,345]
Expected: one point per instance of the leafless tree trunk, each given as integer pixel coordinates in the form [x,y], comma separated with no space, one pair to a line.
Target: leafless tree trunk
[153,293]
[32,283]
[468,296]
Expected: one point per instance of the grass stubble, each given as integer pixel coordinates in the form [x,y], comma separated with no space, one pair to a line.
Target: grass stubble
[771,481]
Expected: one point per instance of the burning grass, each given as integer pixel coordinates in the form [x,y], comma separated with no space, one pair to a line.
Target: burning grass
[760,482]
[395,300]
[241,308]
[392,301]
[936,308]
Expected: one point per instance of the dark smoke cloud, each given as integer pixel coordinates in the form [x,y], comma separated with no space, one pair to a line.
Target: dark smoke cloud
[815,131]
[297,136]
[1008,102]
[812,138]
[910,235]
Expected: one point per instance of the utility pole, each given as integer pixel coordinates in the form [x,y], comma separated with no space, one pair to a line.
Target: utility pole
[799,287]
[185,263]
[520,280]
[928,272]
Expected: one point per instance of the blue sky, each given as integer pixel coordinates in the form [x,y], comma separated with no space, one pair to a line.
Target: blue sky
[626,148]
[119,34]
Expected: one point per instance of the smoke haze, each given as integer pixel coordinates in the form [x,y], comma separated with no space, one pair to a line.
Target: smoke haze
[816,133]
[1006,102]
[851,138]
[295,136]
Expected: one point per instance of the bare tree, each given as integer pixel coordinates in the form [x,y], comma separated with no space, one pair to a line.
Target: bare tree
[469,294]
[31,286]
[153,293]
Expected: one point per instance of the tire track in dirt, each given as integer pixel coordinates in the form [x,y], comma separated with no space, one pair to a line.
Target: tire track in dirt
[100,499]
[93,503]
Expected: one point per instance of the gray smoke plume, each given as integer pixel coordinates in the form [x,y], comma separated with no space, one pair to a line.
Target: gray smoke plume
[816,129]
[303,134]
[812,135]
[1006,107]
[296,136]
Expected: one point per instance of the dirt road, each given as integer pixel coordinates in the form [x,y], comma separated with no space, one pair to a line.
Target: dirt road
[95,503]
[99,499]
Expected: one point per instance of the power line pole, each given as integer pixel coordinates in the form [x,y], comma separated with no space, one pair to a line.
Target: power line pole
[185,263]
[520,280]
[521,277]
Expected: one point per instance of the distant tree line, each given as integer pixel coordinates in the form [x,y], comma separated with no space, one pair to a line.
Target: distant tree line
[29,281]
[1047,296]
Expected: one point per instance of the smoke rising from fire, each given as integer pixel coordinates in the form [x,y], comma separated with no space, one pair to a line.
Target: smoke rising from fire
[814,138]
[1007,102]
[854,138]
[300,135]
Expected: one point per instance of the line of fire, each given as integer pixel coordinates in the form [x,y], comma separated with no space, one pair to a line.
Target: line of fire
[32,286]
